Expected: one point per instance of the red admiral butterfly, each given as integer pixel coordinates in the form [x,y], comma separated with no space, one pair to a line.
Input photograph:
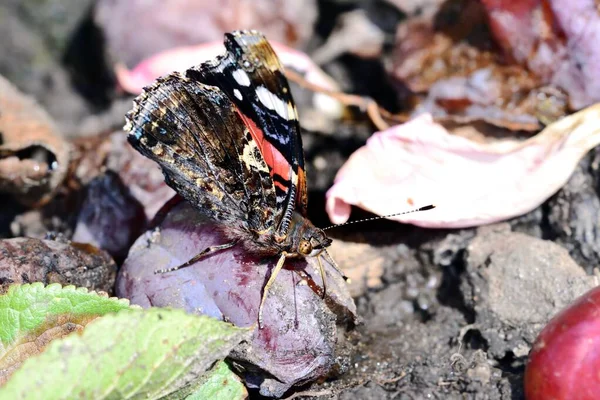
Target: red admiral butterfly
[227,138]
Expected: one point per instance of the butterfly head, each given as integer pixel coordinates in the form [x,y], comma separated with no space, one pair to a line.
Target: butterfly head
[313,242]
[305,239]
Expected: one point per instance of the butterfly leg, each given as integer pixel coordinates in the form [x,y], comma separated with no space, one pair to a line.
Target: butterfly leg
[207,251]
[336,267]
[322,272]
[274,274]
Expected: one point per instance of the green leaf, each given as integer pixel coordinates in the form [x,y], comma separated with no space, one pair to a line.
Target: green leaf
[220,383]
[134,354]
[33,315]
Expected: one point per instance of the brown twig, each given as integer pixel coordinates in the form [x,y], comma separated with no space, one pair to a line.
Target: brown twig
[373,110]
[398,378]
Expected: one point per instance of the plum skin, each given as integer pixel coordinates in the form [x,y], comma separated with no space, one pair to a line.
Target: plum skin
[564,362]
[298,340]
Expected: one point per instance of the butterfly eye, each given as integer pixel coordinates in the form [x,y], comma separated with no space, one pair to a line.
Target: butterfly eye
[305,248]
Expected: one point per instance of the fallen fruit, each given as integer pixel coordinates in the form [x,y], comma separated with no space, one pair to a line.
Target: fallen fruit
[564,361]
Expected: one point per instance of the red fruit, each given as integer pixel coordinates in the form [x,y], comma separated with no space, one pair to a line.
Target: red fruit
[565,360]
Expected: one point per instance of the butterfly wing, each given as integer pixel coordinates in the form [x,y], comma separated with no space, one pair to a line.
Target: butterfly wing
[252,77]
[205,149]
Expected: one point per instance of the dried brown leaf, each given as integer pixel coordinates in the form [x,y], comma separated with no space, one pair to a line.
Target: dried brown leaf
[453,73]
[34,158]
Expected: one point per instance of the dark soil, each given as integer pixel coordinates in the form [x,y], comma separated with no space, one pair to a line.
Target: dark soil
[448,321]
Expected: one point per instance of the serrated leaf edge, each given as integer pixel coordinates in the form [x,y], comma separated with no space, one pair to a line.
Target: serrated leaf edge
[57,287]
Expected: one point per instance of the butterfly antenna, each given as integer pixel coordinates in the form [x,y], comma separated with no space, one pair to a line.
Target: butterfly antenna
[424,208]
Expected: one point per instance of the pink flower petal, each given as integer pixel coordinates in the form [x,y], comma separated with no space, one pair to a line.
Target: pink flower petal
[178,59]
[182,58]
[420,163]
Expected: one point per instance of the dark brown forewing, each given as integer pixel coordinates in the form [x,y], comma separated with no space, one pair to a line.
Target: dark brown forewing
[252,76]
[194,132]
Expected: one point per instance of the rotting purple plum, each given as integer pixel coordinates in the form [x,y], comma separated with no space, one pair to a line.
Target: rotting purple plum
[110,217]
[296,343]
[142,176]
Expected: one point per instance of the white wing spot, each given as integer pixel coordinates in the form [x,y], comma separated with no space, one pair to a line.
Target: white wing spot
[241,77]
[248,157]
[272,102]
[237,94]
